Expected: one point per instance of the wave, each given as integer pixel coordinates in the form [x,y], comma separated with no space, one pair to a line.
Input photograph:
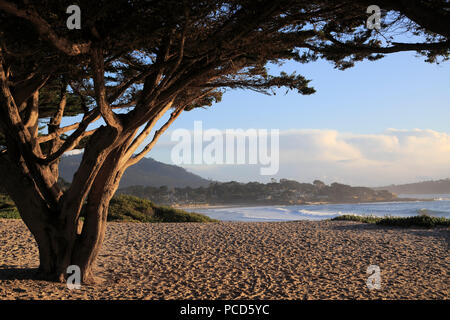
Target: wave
[321,212]
[283,209]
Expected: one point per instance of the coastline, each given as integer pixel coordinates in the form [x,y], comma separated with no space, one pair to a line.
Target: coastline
[255,205]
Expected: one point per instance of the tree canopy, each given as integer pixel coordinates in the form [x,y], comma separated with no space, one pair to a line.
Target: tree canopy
[145,51]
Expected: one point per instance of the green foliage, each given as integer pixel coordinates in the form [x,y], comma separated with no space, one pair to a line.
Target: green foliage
[126,208]
[130,208]
[168,214]
[423,221]
[9,214]
[123,208]
[418,221]
[349,217]
[50,96]
[8,209]
[284,192]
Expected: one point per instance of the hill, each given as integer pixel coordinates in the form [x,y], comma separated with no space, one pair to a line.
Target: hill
[425,187]
[147,172]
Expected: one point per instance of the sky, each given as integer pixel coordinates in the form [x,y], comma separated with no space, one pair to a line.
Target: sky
[379,123]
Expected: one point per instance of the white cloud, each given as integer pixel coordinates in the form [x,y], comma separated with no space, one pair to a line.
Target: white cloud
[395,156]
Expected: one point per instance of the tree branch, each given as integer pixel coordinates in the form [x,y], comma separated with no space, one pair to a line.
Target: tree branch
[45,30]
[26,89]
[28,147]
[145,132]
[342,47]
[73,140]
[156,136]
[31,122]
[110,117]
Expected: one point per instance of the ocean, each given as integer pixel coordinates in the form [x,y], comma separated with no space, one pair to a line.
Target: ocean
[439,207]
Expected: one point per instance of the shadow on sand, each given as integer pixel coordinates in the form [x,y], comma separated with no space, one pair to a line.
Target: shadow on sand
[13,273]
[437,232]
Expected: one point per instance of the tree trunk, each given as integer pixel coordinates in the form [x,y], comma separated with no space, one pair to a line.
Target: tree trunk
[91,238]
[58,233]
[52,236]
[35,213]
[51,233]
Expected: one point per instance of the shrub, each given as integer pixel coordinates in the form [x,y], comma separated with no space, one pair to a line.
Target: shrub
[423,221]
[167,214]
[124,208]
[418,221]
[8,209]
[131,208]
[9,214]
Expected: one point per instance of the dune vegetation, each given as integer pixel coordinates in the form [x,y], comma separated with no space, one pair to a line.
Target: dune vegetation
[8,209]
[124,208]
[423,221]
[134,209]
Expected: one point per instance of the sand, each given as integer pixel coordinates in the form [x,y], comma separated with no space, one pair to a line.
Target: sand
[286,260]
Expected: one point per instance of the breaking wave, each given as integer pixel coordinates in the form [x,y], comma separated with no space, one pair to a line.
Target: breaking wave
[439,208]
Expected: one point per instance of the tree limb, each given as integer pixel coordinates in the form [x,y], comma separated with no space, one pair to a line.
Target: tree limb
[156,136]
[145,132]
[45,30]
[110,117]
[342,47]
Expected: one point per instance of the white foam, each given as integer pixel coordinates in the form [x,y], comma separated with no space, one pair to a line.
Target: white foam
[318,213]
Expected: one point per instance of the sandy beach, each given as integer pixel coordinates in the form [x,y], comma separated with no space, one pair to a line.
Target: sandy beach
[286,260]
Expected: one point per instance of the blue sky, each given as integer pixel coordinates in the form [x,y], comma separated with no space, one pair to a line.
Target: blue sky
[378,123]
[398,91]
